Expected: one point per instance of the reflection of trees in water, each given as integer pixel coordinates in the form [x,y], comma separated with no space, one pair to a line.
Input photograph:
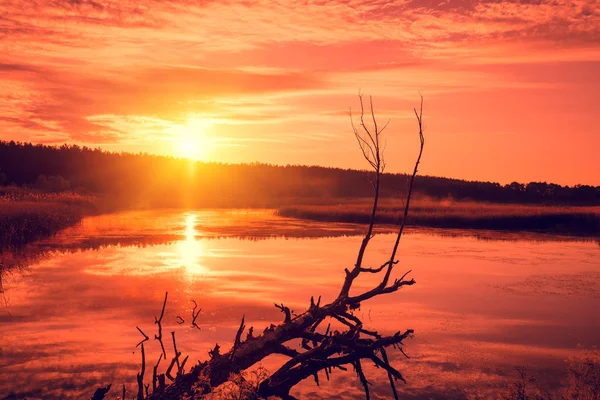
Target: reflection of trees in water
[4,302]
[582,382]
[18,262]
[494,236]
[14,264]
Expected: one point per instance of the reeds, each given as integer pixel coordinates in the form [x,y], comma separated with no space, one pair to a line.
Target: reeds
[463,215]
[27,215]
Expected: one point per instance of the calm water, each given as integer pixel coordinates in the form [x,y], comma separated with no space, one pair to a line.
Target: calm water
[70,305]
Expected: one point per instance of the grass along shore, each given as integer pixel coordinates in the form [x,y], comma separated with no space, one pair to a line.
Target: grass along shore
[583,221]
[27,215]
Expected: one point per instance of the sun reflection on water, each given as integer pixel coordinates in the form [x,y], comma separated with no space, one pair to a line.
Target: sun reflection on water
[191,251]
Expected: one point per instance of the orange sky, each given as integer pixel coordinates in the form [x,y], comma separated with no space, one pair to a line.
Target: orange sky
[511,87]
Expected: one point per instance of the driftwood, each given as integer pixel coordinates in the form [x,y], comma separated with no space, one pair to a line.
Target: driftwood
[308,340]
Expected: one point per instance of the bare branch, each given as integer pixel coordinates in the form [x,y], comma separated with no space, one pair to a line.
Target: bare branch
[145,337]
[377,270]
[286,311]
[238,337]
[140,376]
[363,379]
[177,353]
[155,373]
[195,315]
[390,377]
[158,321]
[408,196]
[372,152]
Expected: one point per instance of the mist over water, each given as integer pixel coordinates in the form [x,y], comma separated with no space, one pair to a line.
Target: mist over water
[71,304]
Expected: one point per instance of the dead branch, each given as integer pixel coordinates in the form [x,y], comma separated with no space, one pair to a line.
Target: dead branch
[195,315]
[238,336]
[140,376]
[286,311]
[154,373]
[390,376]
[370,146]
[158,321]
[100,393]
[250,334]
[145,337]
[363,379]
[182,367]
[175,360]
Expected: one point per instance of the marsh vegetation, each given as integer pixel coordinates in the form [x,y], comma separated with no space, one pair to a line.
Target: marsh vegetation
[27,214]
[426,212]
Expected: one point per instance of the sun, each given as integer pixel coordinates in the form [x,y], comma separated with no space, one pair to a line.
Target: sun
[190,140]
[189,147]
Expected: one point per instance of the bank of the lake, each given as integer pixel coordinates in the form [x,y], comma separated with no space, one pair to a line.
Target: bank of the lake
[28,215]
[563,220]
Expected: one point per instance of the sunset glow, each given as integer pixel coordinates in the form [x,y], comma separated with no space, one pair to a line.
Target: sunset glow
[510,87]
[190,140]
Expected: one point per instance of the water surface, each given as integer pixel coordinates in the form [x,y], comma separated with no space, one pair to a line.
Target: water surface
[71,304]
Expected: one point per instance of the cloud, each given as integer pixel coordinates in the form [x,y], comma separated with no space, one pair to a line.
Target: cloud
[67,65]
[55,100]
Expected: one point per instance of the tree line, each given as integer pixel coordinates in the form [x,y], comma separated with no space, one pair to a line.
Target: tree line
[165,181]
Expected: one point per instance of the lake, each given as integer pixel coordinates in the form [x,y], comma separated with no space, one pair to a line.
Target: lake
[483,302]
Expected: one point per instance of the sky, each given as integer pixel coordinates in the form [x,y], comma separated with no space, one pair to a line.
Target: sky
[511,89]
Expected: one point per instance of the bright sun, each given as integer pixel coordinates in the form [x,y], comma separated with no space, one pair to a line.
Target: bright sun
[190,140]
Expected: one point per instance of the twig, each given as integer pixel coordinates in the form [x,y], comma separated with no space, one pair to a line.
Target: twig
[158,321]
[154,373]
[195,315]
[174,360]
[390,377]
[140,376]
[238,337]
[286,311]
[363,379]
[145,337]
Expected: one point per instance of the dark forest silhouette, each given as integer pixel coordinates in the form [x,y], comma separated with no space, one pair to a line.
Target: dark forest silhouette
[139,177]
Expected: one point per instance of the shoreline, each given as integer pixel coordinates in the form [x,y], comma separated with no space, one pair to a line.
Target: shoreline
[27,216]
[474,216]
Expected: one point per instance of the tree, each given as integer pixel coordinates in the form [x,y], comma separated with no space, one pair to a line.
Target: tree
[321,349]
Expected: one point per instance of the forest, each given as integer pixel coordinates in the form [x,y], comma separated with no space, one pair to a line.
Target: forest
[152,180]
